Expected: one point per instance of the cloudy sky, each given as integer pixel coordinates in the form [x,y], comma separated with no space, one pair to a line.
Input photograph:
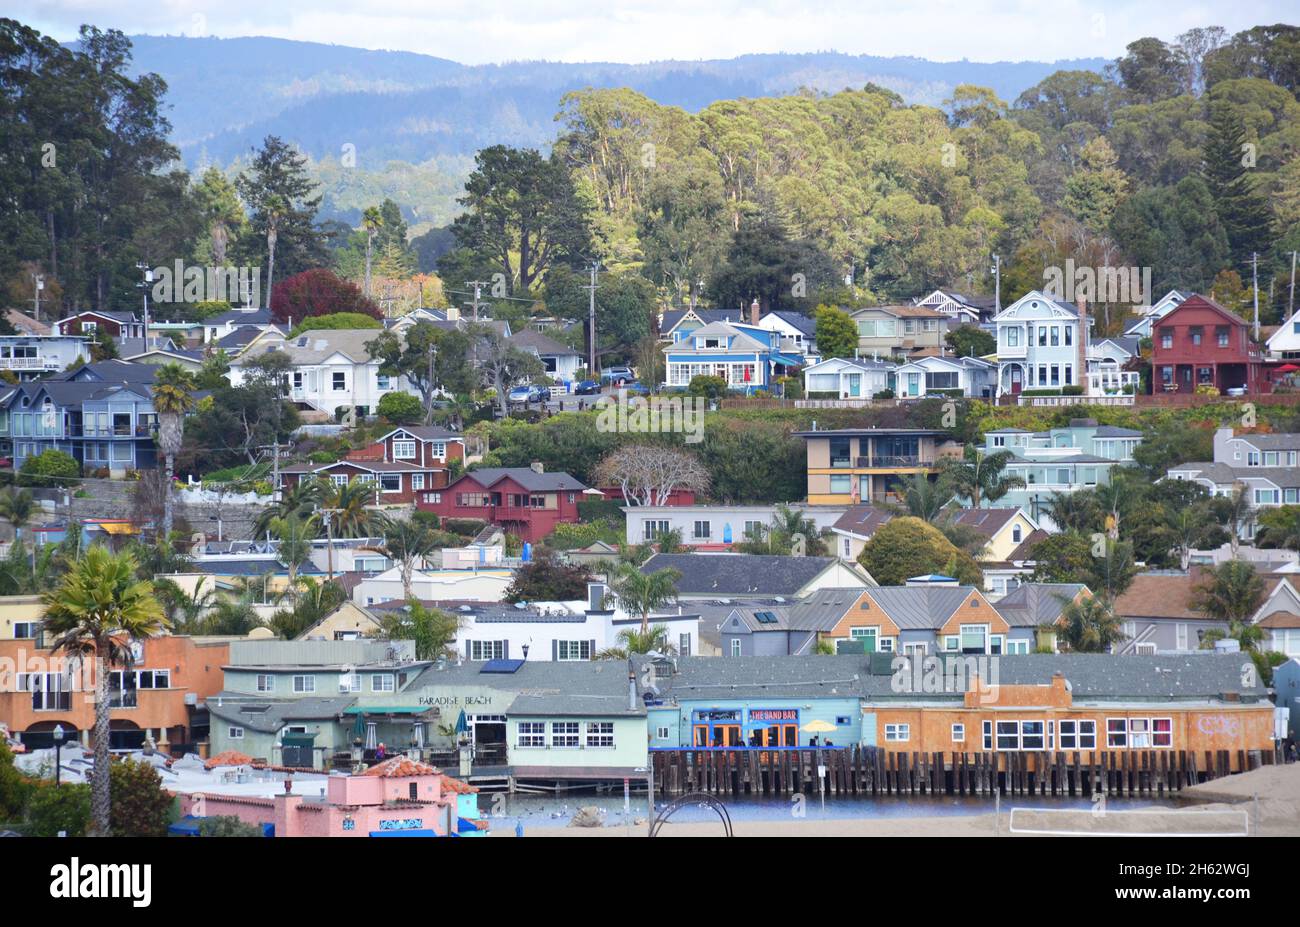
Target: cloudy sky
[480,31]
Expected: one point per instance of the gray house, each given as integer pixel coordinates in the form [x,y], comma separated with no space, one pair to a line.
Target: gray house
[1158,616]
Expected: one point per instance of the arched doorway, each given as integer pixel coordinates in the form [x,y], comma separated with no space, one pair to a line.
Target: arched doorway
[40,736]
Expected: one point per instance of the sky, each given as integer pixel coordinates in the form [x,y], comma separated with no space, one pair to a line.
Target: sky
[635,31]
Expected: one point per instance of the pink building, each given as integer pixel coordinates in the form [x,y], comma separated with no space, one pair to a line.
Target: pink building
[396,798]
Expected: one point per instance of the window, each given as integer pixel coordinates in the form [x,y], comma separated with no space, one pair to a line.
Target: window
[339,381]
[1015,533]
[433,498]
[390,482]
[735,646]
[564,733]
[532,733]
[304,683]
[417,482]
[265,683]
[1196,332]
[381,682]
[1042,336]
[974,638]
[1056,336]
[842,484]
[701,529]
[339,479]
[403,450]
[1013,337]
[573,650]
[486,650]
[438,449]
[959,733]
[350,682]
[1069,336]
[25,629]
[600,733]
[1078,735]
[235,733]
[661,733]
[1117,732]
[654,528]
[1166,339]
[1016,647]
[381,381]
[1221,335]
[898,733]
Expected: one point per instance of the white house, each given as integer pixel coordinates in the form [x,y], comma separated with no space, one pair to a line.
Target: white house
[1265,466]
[561,361]
[332,370]
[1039,345]
[438,585]
[917,378]
[963,310]
[1279,617]
[715,525]
[1285,342]
[32,356]
[219,326]
[1155,312]
[848,378]
[798,332]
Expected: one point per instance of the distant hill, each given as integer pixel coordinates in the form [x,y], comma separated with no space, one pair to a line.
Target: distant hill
[225,95]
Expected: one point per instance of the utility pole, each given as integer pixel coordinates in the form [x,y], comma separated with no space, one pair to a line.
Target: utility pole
[148,279]
[1290,302]
[38,284]
[997,283]
[478,290]
[591,320]
[1254,276]
[327,516]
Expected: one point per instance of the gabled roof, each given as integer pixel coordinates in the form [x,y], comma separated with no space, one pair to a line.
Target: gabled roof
[920,607]
[1034,604]
[116,315]
[740,340]
[318,345]
[269,715]
[25,324]
[526,477]
[797,320]
[240,337]
[535,341]
[860,363]
[424,433]
[1197,301]
[726,575]
[241,317]
[862,520]
[1160,595]
[672,318]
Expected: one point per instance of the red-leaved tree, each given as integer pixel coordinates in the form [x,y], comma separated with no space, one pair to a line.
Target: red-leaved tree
[318,292]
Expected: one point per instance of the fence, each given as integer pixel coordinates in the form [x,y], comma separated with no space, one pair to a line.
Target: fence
[863,771]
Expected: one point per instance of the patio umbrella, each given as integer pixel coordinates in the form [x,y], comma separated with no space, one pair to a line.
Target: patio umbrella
[462,726]
[372,735]
[819,727]
[1288,368]
[417,734]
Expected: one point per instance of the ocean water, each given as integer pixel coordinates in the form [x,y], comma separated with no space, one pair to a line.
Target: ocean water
[504,811]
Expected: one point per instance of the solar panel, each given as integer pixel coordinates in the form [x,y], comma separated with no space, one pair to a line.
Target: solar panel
[501,666]
[765,617]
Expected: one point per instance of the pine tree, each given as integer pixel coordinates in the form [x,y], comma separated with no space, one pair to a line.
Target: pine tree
[1241,209]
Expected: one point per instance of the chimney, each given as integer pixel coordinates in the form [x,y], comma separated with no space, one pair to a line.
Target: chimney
[453,314]
[1081,374]
[596,596]
[537,467]
[754,309]
[631,688]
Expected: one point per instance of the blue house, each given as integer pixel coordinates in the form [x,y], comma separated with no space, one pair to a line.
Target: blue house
[747,357]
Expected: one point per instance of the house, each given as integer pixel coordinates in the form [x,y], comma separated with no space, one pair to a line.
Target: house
[189,360]
[1041,345]
[714,527]
[1283,344]
[960,309]
[1080,455]
[402,464]
[24,324]
[747,357]
[798,332]
[890,331]
[850,465]
[1264,466]
[221,325]
[428,585]
[160,696]
[847,378]
[332,373]
[1155,312]
[948,375]
[1006,528]
[560,361]
[30,356]
[348,622]
[677,324]
[1279,617]
[1199,343]
[525,501]
[1158,615]
[749,576]
[117,324]
[245,338]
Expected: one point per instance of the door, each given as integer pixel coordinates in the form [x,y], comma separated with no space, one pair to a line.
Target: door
[855,385]
[1016,384]
[913,384]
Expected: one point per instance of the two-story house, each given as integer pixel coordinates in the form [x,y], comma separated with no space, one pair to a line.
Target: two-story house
[28,357]
[677,324]
[892,331]
[119,325]
[1040,345]
[851,465]
[798,333]
[333,371]
[960,309]
[1200,343]
[1081,455]
[1155,312]
[1264,466]
[747,357]
[525,501]
[402,464]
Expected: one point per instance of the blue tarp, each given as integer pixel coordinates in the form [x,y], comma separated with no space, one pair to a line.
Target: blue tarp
[402,833]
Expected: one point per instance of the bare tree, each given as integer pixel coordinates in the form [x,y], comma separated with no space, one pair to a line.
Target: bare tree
[649,474]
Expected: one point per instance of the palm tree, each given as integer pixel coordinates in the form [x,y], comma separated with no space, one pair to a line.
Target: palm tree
[1280,527]
[977,476]
[1072,511]
[276,208]
[295,536]
[185,610]
[1190,526]
[641,593]
[924,498]
[1232,592]
[97,611]
[17,508]
[173,397]
[1089,625]
[1235,513]
[1116,499]
[653,640]
[405,543]
[299,501]
[372,220]
[432,629]
[350,516]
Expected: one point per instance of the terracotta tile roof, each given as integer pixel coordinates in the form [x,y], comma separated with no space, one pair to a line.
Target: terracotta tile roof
[1281,620]
[1160,595]
[229,758]
[460,787]
[399,767]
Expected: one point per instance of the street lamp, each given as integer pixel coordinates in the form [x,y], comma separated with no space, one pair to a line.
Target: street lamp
[58,747]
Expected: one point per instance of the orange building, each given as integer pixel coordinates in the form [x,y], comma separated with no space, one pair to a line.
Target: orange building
[162,695]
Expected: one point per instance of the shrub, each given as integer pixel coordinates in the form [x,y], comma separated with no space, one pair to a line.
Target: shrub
[140,803]
[884,394]
[823,394]
[322,457]
[710,387]
[1207,389]
[49,468]
[263,488]
[52,809]
[401,408]
[1072,390]
[227,825]
[335,321]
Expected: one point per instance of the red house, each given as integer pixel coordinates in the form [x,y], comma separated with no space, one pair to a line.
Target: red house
[525,501]
[403,464]
[1199,343]
[118,324]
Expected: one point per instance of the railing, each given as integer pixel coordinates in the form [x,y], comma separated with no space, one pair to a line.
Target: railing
[28,363]
[909,460]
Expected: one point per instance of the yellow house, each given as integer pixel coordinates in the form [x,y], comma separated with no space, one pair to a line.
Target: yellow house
[347,622]
[1005,528]
[20,616]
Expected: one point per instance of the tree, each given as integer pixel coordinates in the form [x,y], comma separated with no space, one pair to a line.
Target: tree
[298,501]
[648,474]
[1076,512]
[924,498]
[432,629]
[50,468]
[906,546]
[140,803]
[1191,527]
[173,398]
[295,538]
[400,409]
[17,508]
[1089,625]
[15,788]
[335,321]
[349,512]
[502,365]
[634,641]
[837,335]
[1061,558]
[625,311]
[1235,512]
[318,292]
[522,216]
[432,360]
[1231,592]
[407,543]
[640,593]
[1241,208]
[96,612]
[282,202]
[970,341]
[371,221]
[222,214]
[547,579]
[1279,527]
[977,476]
[1094,191]
[227,825]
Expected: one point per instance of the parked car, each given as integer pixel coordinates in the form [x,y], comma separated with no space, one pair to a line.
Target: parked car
[636,389]
[528,394]
[617,375]
[587,388]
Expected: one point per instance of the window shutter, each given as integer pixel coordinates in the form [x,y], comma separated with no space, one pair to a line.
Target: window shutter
[555,650]
[592,651]
[505,649]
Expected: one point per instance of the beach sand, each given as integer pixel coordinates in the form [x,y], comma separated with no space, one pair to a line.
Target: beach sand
[1277,812]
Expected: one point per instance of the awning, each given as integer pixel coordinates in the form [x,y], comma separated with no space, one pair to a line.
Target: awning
[389,710]
[787,360]
[403,833]
[114,527]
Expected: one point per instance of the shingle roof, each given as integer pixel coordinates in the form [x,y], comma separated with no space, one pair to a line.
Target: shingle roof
[526,477]
[798,320]
[740,574]
[269,715]
[920,607]
[544,346]
[862,520]
[1159,595]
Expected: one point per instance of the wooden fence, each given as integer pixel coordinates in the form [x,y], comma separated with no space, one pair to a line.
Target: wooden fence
[869,771]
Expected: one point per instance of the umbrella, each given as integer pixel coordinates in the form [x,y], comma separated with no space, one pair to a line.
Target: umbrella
[417,734]
[462,726]
[1288,368]
[372,736]
[819,727]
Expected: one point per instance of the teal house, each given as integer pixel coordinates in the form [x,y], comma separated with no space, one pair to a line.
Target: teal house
[747,357]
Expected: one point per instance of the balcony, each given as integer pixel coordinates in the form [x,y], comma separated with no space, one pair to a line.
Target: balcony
[29,363]
[891,462]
